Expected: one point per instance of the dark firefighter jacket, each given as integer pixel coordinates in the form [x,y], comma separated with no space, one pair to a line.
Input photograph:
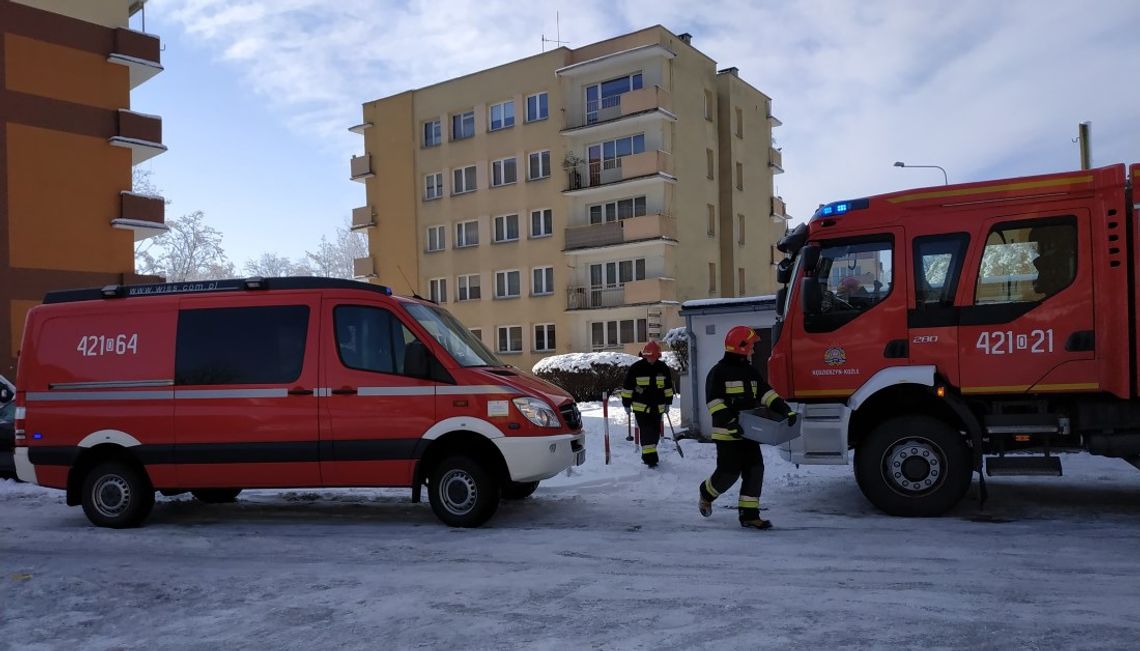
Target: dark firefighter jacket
[732,386]
[648,388]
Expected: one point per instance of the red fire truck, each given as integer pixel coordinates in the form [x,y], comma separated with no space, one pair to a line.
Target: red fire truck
[974,327]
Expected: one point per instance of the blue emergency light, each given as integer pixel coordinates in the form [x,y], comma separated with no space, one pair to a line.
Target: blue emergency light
[840,208]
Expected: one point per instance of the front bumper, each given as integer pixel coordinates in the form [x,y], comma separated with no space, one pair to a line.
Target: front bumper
[24,468]
[534,458]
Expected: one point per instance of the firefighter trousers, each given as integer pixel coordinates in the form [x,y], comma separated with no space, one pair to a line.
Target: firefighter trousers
[740,459]
[649,425]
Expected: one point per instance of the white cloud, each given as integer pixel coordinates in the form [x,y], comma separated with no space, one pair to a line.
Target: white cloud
[981,88]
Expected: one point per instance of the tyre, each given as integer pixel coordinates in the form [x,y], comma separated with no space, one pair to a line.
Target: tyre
[216,495]
[519,490]
[117,495]
[913,466]
[462,492]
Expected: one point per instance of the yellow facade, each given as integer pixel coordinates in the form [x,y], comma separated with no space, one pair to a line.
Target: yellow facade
[619,208]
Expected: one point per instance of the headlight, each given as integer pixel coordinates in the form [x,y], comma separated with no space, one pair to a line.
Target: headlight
[537,412]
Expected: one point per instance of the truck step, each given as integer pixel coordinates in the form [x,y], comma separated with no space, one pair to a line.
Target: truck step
[1039,466]
[1008,424]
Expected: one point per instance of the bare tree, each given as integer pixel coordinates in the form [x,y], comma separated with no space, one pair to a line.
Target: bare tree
[334,259]
[271,265]
[190,250]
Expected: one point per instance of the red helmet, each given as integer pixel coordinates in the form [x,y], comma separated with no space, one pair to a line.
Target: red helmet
[651,352]
[740,340]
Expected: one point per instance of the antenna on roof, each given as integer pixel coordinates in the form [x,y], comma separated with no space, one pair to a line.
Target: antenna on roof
[557,40]
[410,285]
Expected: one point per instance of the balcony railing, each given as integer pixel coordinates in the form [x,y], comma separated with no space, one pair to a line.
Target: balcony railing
[363,268]
[139,132]
[631,229]
[776,160]
[779,209]
[649,290]
[619,106]
[588,298]
[138,51]
[615,170]
[143,214]
[361,168]
[363,217]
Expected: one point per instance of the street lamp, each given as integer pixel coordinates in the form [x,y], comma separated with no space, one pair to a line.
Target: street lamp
[945,179]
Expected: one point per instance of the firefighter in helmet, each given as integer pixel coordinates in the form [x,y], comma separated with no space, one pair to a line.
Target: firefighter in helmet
[732,386]
[648,393]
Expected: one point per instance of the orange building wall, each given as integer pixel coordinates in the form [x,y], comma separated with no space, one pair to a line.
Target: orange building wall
[49,70]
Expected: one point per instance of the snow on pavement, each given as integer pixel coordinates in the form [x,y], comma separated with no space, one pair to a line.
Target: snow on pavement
[602,557]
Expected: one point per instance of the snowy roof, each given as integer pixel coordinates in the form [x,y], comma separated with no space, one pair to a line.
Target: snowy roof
[743,303]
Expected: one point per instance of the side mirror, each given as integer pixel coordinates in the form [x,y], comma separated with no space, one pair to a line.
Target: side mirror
[417,360]
[784,271]
[811,259]
[6,395]
[781,298]
[811,295]
[794,240]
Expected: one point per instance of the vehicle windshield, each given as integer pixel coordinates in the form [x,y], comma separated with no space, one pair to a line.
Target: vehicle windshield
[464,347]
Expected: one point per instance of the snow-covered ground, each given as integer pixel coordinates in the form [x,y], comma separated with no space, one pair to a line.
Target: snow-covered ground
[607,557]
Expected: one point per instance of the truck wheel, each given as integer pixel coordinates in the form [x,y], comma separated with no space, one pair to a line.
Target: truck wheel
[519,490]
[216,495]
[117,495]
[913,466]
[462,492]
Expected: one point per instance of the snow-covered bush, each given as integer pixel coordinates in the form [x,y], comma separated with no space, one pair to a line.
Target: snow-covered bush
[678,340]
[588,376]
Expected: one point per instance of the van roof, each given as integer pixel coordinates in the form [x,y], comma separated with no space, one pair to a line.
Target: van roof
[254,283]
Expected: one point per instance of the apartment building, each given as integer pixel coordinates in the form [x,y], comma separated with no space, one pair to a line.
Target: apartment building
[570,201]
[68,143]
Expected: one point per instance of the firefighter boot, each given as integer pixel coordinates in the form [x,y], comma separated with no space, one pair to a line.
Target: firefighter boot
[758,523]
[705,497]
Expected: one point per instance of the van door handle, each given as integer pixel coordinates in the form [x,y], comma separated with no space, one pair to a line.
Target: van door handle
[300,391]
[344,391]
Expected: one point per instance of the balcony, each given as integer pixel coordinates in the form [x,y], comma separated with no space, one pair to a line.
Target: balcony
[139,132]
[647,164]
[363,268]
[145,215]
[643,101]
[779,210]
[631,229]
[776,160]
[138,51]
[361,168]
[637,292]
[362,218]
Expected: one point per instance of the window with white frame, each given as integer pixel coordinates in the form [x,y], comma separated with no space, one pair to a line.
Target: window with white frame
[608,275]
[478,332]
[437,290]
[542,281]
[502,115]
[435,238]
[433,134]
[608,94]
[617,210]
[613,334]
[539,167]
[467,234]
[463,180]
[537,107]
[544,337]
[507,283]
[463,125]
[509,339]
[542,223]
[433,186]
[506,228]
[607,155]
[504,172]
[467,288]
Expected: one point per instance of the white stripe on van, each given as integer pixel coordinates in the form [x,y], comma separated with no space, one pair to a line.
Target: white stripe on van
[44,396]
[475,389]
[204,394]
[396,391]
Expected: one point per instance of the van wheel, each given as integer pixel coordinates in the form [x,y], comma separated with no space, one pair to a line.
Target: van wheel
[117,495]
[216,495]
[519,490]
[462,492]
[913,466]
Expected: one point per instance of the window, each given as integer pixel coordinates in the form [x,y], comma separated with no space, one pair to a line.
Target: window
[740,230]
[243,345]
[542,281]
[542,223]
[463,180]
[437,290]
[616,274]
[631,270]
[740,281]
[612,334]
[938,264]
[371,339]
[709,108]
[467,234]
[544,337]
[539,167]
[506,228]
[463,125]
[467,288]
[740,176]
[854,276]
[433,186]
[502,115]
[739,123]
[507,284]
[615,210]
[537,107]
[711,231]
[510,339]
[478,332]
[435,238]
[712,277]
[607,155]
[432,133]
[504,172]
[1027,262]
[710,162]
[607,95]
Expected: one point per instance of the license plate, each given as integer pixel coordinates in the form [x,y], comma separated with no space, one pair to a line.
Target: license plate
[579,457]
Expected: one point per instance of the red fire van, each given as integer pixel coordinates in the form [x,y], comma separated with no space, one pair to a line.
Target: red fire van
[213,387]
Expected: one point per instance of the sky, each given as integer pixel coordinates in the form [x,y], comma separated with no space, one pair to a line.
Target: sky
[257,95]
